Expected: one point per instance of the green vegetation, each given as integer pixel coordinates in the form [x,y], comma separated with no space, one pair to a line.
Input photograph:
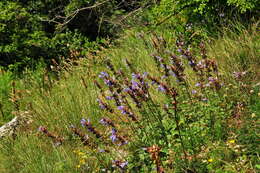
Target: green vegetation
[167,94]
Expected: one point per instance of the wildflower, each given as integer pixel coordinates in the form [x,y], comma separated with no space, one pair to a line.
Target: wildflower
[82,161]
[204,99]
[108,82]
[193,91]
[238,75]
[90,127]
[134,85]
[221,14]
[109,97]
[232,141]
[145,74]
[207,85]
[84,138]
[101,150]
[198,84]
[120,164]
[103,75]
[179,50]
[113,137]
[56,139]
[101,104]
[210,160]
[161,88]
[107,122]
[122,109]
[42,129]
[136,75]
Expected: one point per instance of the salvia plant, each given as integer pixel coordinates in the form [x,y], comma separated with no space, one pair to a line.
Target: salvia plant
[140,132]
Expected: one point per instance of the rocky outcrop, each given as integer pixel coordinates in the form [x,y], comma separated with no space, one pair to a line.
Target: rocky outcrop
[10,128]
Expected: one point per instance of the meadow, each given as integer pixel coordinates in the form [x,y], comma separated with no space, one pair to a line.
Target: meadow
[153,101]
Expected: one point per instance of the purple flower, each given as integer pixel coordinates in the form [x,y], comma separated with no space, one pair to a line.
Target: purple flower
[198,84]
[109,97]
[123,164]
[191,63]
[104,122]
[161,88]
[179,50]
[101,150]
[120,164]
[83,122]
[126,89]
[239,74]
[123,143]
[135,84]
[145,74]
[193,91]
[113,136]
[172,73]
[122,109]
[108,82]
[136,75]
[41,129]
[101,104]
[158,58]
[103,75]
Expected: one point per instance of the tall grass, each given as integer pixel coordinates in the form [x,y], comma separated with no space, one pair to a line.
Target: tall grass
[198,123]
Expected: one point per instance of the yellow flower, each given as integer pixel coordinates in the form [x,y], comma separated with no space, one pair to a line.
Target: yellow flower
[232,141]
[78,166]
[82,161]
[253,115]
[80,153]
[210,160]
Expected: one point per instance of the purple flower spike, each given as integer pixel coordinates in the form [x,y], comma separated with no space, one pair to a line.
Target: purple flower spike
[103,75]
